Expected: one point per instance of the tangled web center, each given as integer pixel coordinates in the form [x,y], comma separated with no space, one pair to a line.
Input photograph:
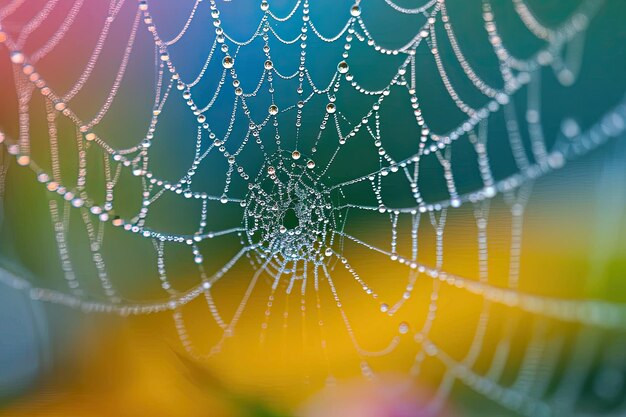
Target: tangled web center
[288,212]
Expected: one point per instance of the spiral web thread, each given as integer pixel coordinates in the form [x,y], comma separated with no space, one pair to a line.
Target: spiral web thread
[291,179]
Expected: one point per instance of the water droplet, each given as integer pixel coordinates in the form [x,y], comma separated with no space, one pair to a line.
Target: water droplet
[223,199]
[28,69]
[355,10]
[570,128]
[343,67]
[265,6]
[273,110]
[271,170]
[310,164]
[328,251]
[403,328]
[268,65]
[384,307]
[228,62]
[295,155]
[23,160]
[17,57]
[331,108]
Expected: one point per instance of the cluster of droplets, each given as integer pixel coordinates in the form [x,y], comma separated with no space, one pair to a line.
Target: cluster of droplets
[288,214]
[289,184]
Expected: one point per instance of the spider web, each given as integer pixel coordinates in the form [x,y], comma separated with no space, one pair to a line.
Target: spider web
[271,168]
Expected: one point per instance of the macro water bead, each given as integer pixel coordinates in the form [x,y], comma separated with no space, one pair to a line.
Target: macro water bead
[228,62]
[17,57]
